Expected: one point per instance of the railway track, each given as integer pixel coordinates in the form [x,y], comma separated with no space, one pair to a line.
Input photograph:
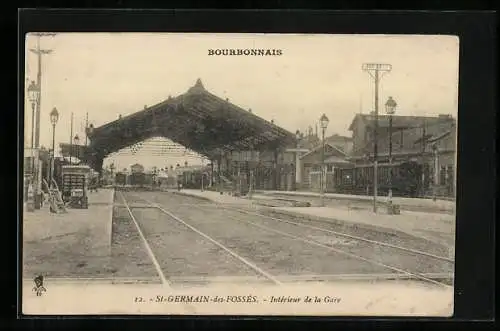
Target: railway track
[441,279]
[165,279]
[345,235]
[409,274]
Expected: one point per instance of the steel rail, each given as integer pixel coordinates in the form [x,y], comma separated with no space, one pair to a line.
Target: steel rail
[204,235]
[313,242]
[145,242]
[375,242]
[359,257]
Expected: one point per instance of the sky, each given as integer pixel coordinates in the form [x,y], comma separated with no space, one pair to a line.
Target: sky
[107,74]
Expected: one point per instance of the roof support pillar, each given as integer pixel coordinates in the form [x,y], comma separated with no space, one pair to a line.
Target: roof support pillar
[219,162]
[298,169]
[98,161]
[276,172]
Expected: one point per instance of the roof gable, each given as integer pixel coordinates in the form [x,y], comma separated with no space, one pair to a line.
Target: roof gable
[398,121]
[337,150]
[357,117]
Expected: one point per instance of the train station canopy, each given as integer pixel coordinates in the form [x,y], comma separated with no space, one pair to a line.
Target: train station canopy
[198,120]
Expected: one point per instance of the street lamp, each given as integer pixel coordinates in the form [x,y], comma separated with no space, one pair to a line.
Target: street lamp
[435,151]
[112,168]
[54,117]
[202,171]
[33,95]
[76,140]
[324,124]
[89,131]
[298,169]
[390,107]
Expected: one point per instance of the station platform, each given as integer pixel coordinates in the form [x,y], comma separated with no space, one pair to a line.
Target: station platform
[435,227]
[438,228]
[215,197]
[77,242]
[424,203]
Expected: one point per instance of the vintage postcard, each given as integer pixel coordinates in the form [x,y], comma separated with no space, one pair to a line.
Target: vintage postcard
[239,174]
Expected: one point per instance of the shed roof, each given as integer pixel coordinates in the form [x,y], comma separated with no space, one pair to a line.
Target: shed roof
[198,120]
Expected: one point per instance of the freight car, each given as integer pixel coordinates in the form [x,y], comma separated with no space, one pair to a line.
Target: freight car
[406,179]
[138,179]
[190,179]
[120,179]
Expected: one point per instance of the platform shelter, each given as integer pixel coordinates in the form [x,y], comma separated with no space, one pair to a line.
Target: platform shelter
[241,146]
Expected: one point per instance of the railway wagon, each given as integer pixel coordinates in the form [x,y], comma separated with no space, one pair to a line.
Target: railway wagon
[168,182]
[121,179]
[191,179]
[406,179]
[138,179]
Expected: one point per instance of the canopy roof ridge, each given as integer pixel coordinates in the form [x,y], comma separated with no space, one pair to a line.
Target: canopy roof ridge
[249,114]
[197,88]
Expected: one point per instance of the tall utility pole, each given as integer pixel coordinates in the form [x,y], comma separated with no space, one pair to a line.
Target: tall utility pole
[424,143]
[376,71]
[71,141]
[86,126]
[39,52]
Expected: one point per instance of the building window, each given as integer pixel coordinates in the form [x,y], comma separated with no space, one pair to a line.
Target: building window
[329,167]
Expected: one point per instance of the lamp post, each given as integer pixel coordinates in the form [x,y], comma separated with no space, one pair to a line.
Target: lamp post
[390,107]
[54,117]
[324,124]
[33,93]
[366,159]
[435,151]
[112,168]
[298,168]
[202,171]
[89,131]
[76,140]
[34,97]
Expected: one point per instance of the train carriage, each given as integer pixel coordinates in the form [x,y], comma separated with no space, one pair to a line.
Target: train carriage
[406,179]
[121,179]
[138,179]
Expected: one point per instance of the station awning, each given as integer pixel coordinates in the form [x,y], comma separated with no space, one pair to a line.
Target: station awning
[197,120]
